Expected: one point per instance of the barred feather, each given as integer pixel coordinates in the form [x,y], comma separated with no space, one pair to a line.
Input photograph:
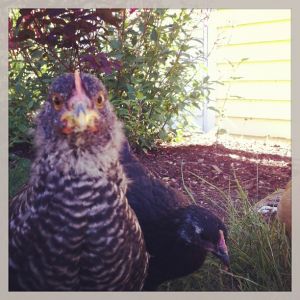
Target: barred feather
[72,228]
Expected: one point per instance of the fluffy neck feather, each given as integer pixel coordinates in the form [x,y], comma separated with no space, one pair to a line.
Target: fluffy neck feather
[91,153]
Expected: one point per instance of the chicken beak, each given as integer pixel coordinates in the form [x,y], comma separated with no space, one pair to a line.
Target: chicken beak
[223,256]
[221,250]
[80,117]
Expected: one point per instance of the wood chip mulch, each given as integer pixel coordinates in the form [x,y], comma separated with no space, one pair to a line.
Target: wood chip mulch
[258,174]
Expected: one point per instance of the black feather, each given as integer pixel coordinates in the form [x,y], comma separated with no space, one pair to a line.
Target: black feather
[176,233]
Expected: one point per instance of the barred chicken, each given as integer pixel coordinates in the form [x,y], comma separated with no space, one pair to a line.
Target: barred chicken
[72,228]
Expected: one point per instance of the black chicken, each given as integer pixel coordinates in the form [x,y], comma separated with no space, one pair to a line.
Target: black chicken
[71,228]
[177,235]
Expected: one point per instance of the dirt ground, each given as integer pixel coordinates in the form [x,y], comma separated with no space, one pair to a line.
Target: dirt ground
[258,174]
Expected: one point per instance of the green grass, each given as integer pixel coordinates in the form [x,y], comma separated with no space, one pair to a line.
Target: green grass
[260,254]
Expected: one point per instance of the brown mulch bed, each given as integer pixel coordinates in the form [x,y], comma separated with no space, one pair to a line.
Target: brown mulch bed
[258,174]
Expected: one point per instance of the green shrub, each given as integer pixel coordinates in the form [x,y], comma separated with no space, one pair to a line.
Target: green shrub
[149,59]
[18,174]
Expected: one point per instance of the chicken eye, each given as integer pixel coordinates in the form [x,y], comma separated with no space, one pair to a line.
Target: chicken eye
[57,102]
[100,101]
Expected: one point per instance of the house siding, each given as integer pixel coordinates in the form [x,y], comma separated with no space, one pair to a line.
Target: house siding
[251,59]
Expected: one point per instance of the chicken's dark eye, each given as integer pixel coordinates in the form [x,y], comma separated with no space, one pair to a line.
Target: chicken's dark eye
[57,102]
[100,101]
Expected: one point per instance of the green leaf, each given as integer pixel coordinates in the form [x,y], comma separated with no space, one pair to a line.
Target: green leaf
[222,131]
[140,95]
[37,54]
[118,55]
[236,97]
[142,27]
[214,109]
[131,91]
[30,104]
[198,40]
[205,79]
[115,44]
[154,35]
[244,59]
[134,40]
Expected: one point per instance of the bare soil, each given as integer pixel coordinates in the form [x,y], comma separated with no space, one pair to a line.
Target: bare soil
[258,174]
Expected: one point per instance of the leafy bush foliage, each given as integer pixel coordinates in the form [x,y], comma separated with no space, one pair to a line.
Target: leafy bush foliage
[148,58]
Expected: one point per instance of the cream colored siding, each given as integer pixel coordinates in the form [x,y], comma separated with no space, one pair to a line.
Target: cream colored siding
[246,16]
[256,70]
[262,109]
[269,51]
[256,32]
[254,127]
[257,89]
[251,57]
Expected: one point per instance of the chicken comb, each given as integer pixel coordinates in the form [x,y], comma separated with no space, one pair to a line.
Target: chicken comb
[78,85]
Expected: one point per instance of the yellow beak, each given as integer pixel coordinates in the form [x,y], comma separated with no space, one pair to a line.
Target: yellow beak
[79,119]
